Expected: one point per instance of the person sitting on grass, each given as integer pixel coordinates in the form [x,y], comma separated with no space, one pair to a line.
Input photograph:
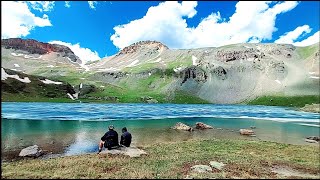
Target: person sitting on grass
[125,137]
[109,140]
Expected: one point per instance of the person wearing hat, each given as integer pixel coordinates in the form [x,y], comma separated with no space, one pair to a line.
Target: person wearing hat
[109,140]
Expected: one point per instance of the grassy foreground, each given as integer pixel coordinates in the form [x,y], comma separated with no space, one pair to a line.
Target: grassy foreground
[243,159]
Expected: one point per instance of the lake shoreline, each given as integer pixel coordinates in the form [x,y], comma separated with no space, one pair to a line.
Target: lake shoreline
[57,152]
[176,160]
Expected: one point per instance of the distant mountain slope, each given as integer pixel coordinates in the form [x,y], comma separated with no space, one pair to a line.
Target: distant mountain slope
[229,74]
[18,84]
[236,73]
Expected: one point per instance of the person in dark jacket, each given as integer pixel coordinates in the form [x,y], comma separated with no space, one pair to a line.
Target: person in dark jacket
[109,140]
[125,137]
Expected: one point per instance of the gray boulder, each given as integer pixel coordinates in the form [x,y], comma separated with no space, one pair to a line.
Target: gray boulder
[148,99]
[216,165]
[247,132]
[31,151]
[311,141]
[200,125]
[181,126]
[201,168]
[128,151]
[315,138]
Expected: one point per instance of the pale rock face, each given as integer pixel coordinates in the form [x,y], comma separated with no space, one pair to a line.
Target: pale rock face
[31,151]
[181,126]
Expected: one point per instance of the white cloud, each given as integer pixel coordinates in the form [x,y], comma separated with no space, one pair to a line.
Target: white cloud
[92,4]
[67,4]
[42,5]
[251,22]
[290,37]
[309,41]
[18,21]
[84,54]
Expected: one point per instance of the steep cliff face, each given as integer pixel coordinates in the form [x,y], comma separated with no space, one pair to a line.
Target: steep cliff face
[36,47]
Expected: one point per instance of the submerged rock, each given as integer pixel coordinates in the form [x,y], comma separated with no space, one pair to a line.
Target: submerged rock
[246,132]
[181,126]
[201,168]
[200,125]
[31,151]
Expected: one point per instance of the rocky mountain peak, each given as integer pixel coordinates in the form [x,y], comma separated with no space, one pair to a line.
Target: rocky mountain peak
[153,45]
[35,47]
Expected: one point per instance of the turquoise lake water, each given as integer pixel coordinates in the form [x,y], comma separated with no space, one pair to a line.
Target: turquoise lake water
[76,128]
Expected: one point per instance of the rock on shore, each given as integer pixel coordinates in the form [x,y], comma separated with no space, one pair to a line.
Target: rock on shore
[31,151]
[181,126]
[247,132]
[200,125]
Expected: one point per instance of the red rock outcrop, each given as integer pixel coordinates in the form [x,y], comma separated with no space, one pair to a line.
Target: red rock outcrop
[35,47]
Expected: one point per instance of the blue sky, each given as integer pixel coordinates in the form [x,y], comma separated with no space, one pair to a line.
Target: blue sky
[90,30]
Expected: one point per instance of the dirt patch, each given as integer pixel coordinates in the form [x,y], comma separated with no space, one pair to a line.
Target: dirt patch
[111,169]
[297,167]
[288,172]
[245,170]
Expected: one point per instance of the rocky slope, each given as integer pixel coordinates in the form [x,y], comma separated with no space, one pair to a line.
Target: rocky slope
[14,83]
[230,74]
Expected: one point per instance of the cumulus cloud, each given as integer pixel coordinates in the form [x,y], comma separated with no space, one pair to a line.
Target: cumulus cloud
[309,41]
[166,22]
[92,4]
[290,37]
[85,54]
[17,20]
[67,4]
[42,5]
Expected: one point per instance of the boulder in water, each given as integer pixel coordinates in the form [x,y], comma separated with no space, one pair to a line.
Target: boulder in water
[181,126]
[31,151]
[246,132]
[200,125]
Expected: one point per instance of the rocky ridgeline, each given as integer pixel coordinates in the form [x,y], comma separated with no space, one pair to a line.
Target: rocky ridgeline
[36,47]
[254,53]
[238,55]
[135,46]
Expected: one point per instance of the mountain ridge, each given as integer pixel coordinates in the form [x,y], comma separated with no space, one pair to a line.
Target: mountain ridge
[229,74]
